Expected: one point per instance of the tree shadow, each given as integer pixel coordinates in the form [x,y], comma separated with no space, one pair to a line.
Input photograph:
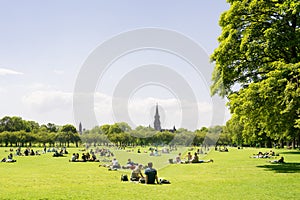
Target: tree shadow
[282,168]
[290,152]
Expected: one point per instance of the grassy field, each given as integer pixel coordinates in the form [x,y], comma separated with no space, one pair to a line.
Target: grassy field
[232,175]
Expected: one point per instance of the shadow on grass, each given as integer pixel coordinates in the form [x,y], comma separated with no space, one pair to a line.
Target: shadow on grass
[290,152]
[282,168]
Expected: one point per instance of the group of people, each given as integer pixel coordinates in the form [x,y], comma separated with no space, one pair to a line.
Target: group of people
[115,165]
[104,152]
[27,152]
[260,154]
[85,157]
[150,174]
[270,154]
[190,159]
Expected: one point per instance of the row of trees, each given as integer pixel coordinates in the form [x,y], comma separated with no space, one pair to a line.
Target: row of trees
[14,131]
[122,134]
[257,67]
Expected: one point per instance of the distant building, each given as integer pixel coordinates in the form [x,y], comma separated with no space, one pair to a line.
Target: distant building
[80,128]
[157,124]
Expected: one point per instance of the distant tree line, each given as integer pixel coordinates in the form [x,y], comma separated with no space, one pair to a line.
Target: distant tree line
[121,134]
[14,131]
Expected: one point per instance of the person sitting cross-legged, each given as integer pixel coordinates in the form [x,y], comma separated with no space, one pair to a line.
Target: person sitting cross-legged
[196,159]
[136,173]
[151,174]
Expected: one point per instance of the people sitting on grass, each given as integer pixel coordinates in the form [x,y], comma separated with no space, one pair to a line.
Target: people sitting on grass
[130,164]
[88,156]
[151,174]
[196,159]
[281,160]
[154,152]
[178,159]
[113,166]
[224,149]
[136,173]
[264,155]
[26,152]
[9,159]
[93,157]
[57,154]
[106,152]
[32,152]
[83,157]
[73,158]
[189,157]
[18,151]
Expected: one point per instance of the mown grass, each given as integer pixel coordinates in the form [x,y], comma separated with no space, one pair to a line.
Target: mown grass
[232,175]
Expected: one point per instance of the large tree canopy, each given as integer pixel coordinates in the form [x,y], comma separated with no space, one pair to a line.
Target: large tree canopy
[255,34]
[257,66]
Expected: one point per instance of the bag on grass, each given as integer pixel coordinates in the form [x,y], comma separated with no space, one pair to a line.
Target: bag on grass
[142,180]
[164,181]
[124,177]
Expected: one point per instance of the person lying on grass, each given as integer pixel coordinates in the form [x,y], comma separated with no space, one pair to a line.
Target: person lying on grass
[113,166]
[9,158]
[264,155]
[281,160]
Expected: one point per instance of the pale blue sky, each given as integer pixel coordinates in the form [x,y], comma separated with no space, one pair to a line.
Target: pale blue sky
[43,45]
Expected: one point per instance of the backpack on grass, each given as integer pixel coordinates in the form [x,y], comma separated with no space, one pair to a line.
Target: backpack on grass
[164,181]
[124,177]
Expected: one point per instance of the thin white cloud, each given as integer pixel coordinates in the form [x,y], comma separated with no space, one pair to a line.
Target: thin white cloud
[58,105]
[43,101]
[4,71]
[141,111]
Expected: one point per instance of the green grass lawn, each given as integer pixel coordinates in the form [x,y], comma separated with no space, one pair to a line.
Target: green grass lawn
[232,175]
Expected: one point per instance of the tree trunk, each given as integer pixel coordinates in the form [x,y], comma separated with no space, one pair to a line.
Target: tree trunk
[294,143]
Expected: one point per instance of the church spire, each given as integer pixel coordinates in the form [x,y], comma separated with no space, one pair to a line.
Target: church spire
[80,128]
[156,119]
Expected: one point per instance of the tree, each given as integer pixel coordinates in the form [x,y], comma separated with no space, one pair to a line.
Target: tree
[257,68]
[105,129]
[164,137]
[68,134]
[255,34]
[5,137]
[12,124]
[50,127]
[68,128]
[270,108]
[234,128]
